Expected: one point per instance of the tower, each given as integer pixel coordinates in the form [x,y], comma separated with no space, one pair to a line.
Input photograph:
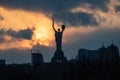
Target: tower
[113,54]
[102,56]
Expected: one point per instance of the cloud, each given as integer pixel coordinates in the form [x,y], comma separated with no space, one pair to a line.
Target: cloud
[9,38]
[2,39]
[76,19]
[52,5]
[117,8]
[19,25]
[60,9]
[21,34]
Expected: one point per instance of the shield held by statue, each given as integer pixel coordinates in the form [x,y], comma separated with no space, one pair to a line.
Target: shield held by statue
[63,27]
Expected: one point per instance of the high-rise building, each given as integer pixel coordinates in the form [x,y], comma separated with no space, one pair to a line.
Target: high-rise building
[85,54]
[102,52]
[37,59]
[113,52]
[104,56]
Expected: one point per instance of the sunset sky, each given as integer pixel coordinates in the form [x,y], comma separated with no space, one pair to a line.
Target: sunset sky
[27,25]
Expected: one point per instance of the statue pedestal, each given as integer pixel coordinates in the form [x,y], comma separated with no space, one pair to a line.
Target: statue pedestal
[59,57]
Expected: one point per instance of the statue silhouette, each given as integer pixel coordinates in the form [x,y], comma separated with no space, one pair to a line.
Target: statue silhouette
[59,54]
[58,36]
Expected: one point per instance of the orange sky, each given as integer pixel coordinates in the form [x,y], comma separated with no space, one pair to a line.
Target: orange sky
[18,19]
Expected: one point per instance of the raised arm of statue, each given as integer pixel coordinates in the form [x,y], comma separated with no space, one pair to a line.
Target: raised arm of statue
[54,29]
[53,25]
[63,27]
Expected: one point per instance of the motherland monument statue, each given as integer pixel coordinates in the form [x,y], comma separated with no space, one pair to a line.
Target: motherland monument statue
[59,54]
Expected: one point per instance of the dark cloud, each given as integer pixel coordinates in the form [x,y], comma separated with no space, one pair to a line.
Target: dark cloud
[2,31]
[61,9]
[26,34]
[97,4]
[2,39]
[21,34]
[77,19]
[52,4]
[117,8]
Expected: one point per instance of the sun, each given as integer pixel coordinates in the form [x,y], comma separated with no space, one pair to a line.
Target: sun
[44,35]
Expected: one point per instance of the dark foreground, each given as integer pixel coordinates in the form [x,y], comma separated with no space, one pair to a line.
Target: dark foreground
[67,71]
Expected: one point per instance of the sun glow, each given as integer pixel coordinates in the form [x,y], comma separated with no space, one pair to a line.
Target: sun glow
[21,19]
[43,35]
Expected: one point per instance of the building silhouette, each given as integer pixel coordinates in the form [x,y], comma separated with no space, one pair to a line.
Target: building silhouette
[113,54]
[84,55]
[2,62]
[103,56]
[37,59]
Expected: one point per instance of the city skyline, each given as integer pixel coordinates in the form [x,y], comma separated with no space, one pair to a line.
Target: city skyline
[26,25]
